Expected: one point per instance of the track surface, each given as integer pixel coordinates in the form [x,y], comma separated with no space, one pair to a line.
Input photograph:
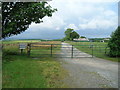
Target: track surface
[89,72]
[67,51]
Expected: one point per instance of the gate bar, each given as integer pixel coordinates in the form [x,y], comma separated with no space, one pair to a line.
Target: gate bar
[72,52]
[51,50]
[92,51]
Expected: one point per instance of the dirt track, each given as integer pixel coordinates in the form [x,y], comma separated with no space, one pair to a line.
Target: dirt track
[89,72]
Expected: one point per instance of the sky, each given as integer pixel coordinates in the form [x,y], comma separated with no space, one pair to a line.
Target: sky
[90,18]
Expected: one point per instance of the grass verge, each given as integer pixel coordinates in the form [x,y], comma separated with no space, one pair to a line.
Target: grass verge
[25,72]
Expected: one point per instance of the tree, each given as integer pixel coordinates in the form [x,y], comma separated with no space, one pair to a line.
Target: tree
[82,37]
[17,16]
[74,35]
[70,34]
[114,43]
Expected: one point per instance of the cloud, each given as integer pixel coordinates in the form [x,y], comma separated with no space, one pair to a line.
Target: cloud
[87,16]
[57,28]
[109,13]
[72,26]
[49,23]
[98,24]
[93,1]
[104,20]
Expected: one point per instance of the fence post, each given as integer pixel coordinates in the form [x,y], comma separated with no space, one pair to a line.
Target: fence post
[72,52]
[51,50]
[92,51]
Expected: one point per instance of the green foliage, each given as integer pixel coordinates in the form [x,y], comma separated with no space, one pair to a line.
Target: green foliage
[71,34]
[114,43]
[17,16]
[74,35]
[82,37]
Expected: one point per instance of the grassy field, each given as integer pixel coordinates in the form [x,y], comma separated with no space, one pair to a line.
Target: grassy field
[98,50]
[21,71]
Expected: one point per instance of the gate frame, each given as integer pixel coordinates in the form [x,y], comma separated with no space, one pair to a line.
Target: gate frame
[51,49]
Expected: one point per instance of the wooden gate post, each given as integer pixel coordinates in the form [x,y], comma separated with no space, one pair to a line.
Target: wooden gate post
[28,49]
[21,51]
[72,52]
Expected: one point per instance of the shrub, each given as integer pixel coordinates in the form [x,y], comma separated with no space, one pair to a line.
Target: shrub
[114,44]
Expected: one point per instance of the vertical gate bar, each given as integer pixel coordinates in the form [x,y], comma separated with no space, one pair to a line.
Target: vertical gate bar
[92,51]
[51,50]
[28,49]
[72,52]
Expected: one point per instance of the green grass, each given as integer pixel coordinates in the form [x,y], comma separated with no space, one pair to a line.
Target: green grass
[24,72]
[21,71]
[99,49]
[18,73]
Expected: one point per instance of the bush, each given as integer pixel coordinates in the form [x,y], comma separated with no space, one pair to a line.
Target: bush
[114,44]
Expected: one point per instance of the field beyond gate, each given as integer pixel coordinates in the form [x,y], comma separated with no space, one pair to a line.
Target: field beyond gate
[58,50]
[44,50]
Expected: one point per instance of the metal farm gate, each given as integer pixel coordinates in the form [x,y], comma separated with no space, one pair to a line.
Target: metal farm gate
[59,50]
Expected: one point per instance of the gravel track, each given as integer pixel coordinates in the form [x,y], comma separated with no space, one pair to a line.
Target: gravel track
[88,72]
